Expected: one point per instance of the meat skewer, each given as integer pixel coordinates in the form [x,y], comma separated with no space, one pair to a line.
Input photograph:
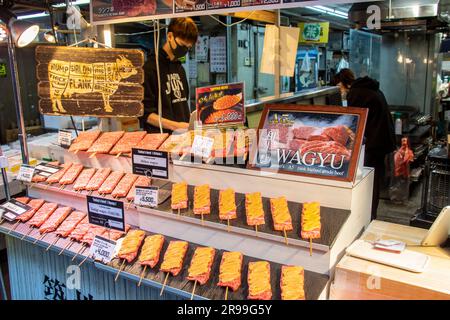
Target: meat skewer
[128,141]
[200,268]
[259,287]
[105,143]
[173,259]
[282,220]
[230,271]
[124,186]
[68,225]
[52,223]
[35,205]
[179,196]
[41,216]
[97,180]
[84,141]
[71,174]
[83,179]
[56,177]
[88,238]
[130,247]
[202,200]
[151,250]
[227,205]
[292,283]
[142,181]
[310,222]
[78,233]
[110,183]
[254,210]
[152,141]
[116,234]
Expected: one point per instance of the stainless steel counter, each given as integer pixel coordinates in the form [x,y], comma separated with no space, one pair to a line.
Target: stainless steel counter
[290,97]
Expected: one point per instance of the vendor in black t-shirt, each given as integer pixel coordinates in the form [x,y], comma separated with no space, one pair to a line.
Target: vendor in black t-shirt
[182,35]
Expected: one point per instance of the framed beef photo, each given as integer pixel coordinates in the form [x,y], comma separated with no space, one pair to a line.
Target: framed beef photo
[316,141]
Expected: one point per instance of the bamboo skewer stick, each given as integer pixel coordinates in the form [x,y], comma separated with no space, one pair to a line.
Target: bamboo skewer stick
[193,290]
[164,284]
[129,204]
[120,270]
[14,227]
[310,247]
[142,275]
[84,260]
[118,155]
[66,247]
[27,234]
[1,221]
[78,252]
[226,293]
[92,155]
[256,229]
[285,237]
[203,221]
[53,243]
[40,238]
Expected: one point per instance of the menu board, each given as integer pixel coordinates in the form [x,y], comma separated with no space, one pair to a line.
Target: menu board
[218,54]
[319,141]
[221,104]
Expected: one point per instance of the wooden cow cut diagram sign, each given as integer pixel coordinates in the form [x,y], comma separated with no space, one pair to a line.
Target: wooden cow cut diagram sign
[90,82]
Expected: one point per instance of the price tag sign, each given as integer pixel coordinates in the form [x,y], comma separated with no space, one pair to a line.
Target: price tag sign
[102,249]
[146,196]
[11,209]
[150,163]
[45,169]
[202,146]
[106,213]
[65,138]
[26,173]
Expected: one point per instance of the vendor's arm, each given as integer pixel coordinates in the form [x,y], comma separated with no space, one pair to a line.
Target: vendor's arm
[153,119]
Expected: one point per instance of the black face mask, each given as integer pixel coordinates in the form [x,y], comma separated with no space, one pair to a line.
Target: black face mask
[179,51]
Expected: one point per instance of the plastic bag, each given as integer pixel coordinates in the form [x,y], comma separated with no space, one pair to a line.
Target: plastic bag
[399,189]
[306,64]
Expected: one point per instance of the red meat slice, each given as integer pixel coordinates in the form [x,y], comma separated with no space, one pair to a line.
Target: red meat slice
[303,133]
[98,179]
[326,148]
[53,222]
[70,223]
[43,214]
[23,200]
[111,182]
[318,137]
[54,178]
[116,234]
[106,141]
[128,141]
[84,140]
[296,144]
[124,186]
[152,141]
[91,233]
[71,174]
[35,205]
[142,181]
[83,179]
[338,134]
[80,230]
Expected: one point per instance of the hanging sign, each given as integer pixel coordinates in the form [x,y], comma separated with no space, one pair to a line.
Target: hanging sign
[221,104]
[106,213]
[150,163]
[316,141]
[314,33]
[90,82]
[11,209]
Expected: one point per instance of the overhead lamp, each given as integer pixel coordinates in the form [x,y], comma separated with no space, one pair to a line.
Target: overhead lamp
[49,37]
[22,32]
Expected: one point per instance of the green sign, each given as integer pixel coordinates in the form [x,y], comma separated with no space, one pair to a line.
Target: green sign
[311,32]
[2,70]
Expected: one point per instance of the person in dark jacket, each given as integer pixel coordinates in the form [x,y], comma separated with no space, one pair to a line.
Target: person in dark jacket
[380,133]
[182,35]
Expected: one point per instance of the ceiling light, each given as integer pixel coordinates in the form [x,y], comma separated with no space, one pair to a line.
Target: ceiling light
[74,3]
[32,16]
[22,32]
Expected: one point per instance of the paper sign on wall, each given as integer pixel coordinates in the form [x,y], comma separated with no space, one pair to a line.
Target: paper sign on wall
[287,52]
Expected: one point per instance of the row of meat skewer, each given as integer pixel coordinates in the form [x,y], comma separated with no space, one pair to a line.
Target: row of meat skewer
[120,185]
[121,143]
[66,223]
